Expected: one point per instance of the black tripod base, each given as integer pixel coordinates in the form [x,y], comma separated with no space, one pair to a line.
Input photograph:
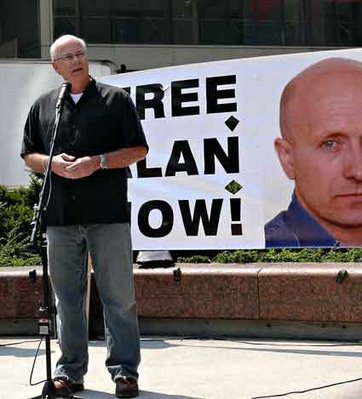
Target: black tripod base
[49,392]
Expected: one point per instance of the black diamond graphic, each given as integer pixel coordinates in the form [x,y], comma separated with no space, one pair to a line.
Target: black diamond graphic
[232,122]
[233,187]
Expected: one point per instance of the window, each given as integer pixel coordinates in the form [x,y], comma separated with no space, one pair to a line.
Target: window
[19,29]
[227,22]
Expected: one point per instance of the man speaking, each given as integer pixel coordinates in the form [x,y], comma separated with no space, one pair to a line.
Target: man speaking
[100,135]
[321,150]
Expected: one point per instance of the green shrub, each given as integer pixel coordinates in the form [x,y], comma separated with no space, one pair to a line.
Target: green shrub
[283,255]
[16,214]
[194,259]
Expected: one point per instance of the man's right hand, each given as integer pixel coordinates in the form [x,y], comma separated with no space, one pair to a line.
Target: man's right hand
[60,163]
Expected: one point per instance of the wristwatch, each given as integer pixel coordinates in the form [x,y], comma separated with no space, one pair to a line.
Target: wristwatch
[103,161]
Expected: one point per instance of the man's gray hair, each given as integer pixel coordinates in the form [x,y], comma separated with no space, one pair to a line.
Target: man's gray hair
[63,39]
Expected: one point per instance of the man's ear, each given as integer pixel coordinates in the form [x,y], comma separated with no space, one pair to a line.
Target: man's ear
[54,65]
[285,154]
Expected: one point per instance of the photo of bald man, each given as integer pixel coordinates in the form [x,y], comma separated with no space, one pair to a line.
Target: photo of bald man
[320,148]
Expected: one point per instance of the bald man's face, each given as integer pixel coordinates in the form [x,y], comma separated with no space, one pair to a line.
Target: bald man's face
[71,61]
[322,149]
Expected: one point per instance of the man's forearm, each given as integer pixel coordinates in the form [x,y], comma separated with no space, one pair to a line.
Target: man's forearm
[37,162]
[71,168]
[125,156]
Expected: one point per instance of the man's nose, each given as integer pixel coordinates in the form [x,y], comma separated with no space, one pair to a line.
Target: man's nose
[75,58]
[353,162]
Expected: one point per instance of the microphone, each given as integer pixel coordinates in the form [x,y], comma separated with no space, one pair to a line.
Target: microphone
[63,91]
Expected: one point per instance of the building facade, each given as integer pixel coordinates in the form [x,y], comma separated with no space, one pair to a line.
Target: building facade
[142,34]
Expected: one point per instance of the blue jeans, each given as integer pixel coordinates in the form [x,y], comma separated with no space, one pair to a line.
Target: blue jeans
[109,246]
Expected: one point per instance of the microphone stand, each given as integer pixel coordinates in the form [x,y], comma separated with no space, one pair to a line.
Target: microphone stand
[38,239]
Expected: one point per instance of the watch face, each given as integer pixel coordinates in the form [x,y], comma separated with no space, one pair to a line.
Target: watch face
[103,162]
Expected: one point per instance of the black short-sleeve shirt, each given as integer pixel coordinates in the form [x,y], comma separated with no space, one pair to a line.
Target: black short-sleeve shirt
[103,120]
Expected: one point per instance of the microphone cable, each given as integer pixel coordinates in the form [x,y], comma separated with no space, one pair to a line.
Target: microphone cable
[279,395]
[31,383]
[7,344]
[18,343]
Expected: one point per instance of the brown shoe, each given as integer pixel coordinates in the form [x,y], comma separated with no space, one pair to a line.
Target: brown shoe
[64,386]
[126,387]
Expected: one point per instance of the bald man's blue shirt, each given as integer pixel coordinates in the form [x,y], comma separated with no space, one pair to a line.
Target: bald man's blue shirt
[296,228]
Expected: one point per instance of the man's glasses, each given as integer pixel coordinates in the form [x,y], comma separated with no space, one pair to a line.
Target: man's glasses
[69,57]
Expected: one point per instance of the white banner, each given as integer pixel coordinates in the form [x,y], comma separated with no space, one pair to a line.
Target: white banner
[211,179]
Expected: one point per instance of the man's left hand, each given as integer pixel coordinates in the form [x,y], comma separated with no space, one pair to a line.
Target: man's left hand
[82,167]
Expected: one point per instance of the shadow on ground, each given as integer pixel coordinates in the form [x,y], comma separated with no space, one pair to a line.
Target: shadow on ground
[92,394]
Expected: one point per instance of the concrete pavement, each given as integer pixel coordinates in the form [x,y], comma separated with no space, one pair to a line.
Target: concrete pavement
[176,368]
